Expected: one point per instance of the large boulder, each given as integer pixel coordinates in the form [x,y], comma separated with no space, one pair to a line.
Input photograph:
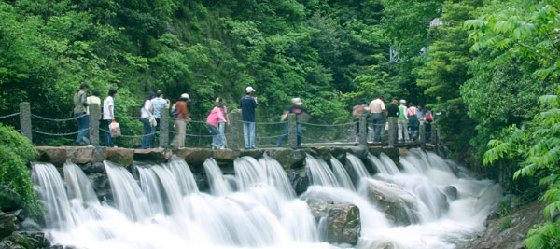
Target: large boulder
[299,181]
[397,204]
[194,156]
[10,200]
[341,221]
[8,224]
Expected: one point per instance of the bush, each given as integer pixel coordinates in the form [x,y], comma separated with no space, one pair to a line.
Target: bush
[16,152]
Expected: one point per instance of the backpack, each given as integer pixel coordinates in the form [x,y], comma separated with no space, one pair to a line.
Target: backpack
[429,117]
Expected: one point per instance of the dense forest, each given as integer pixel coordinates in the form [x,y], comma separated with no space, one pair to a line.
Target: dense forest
[492,68]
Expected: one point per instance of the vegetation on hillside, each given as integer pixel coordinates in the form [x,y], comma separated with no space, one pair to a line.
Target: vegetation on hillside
[483,64]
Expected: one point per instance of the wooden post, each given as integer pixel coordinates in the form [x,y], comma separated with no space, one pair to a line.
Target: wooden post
[392,131]
[362,132]
[164,129]
[422,136]
[25,120]
[94,116]
[235,119]
[433,135]
[292,131]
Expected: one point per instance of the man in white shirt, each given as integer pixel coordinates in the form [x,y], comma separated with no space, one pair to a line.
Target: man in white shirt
[377,108]
[109,115]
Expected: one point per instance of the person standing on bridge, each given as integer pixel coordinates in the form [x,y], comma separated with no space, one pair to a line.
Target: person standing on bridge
[403,122]
[181,119]
[413,122]
[222,125]
[80,105]
[109,116]
[377,108]
[212,123]
[159,105]
[248,106]
[358,111]
[298,111]
[149,125]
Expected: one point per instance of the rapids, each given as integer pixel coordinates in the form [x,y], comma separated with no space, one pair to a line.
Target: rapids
[161,207]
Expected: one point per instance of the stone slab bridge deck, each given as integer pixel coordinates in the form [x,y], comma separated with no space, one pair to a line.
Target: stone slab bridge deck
[290,159]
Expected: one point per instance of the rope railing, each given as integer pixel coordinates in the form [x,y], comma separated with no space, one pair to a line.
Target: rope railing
[10,115]
[267,133]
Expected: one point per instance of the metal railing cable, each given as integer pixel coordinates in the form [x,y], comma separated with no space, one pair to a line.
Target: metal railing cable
[10,115]
[59,134]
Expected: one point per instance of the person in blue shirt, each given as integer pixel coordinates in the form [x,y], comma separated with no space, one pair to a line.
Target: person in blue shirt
[248,105]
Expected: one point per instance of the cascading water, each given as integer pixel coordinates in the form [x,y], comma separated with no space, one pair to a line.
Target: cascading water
[341,175]
[164,209]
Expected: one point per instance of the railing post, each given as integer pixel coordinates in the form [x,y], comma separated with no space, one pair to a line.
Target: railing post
[164,129]
[433,135]
[422,136]
[25,120]
[94,116]
[362,131]
[392,131]
[292,131]
[235,117]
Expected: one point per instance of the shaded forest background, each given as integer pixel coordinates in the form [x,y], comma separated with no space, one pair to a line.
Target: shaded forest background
[491,67]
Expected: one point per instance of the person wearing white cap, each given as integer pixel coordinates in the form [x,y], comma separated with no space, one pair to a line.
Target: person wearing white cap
[248,105]
[298,111]
[403,122]
[181,119]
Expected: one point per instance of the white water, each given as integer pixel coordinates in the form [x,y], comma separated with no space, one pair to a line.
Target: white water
[162,209]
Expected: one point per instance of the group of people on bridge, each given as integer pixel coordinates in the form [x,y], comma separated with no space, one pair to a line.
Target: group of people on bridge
[155,105]
[408,118]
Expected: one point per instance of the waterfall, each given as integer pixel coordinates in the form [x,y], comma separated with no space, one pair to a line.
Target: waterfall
[218,185]
[320,172]
[341,175]
[78,185]
[50,188]
[161,207]
[277,177]
[384,164]
[185,179]
[128,196]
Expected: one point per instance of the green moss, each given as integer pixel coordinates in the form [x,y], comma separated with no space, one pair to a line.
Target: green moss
[16,152]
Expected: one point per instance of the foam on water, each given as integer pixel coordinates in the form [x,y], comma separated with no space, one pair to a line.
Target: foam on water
[163,208]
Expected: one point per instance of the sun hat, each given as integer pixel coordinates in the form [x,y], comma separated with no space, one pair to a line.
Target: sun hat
[402,101]
[249,89]
[185,96]
[297,101]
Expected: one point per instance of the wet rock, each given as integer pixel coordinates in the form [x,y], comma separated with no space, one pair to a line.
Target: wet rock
[397,204]
[27,240]
[89,168]
[225,154]
[29,225]
[288,158]
[509,231]
[342,220]
[157,155]
[121,156]
[80,154]
[53,154]
[8,224]
[10,200]
[100,184]
[299,181]
[451,193]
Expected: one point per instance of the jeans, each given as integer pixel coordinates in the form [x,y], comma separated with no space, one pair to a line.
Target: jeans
[222,130]
[216,136]
[403,130]
[249,134]
[378,122]
[83,127]
[108,137]
[284,137]
[149,134]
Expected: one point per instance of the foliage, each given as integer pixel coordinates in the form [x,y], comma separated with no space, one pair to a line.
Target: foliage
[16,152]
